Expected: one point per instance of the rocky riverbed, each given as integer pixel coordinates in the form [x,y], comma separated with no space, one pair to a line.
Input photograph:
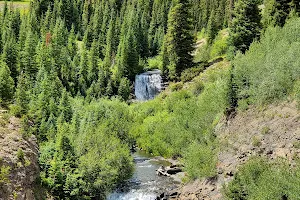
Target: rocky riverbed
[145,183]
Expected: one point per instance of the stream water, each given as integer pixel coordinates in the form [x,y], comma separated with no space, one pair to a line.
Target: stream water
[144,184]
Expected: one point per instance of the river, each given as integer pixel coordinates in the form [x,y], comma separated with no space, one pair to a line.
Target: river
[144,184]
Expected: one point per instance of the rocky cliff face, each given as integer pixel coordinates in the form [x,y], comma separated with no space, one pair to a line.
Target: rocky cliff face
[18,161]
[272,131]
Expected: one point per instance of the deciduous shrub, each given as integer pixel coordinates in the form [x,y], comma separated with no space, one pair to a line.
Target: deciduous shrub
[269,70]
[260,179]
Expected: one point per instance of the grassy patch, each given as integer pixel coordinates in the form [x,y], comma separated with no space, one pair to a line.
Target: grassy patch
[265,130]
[23,6]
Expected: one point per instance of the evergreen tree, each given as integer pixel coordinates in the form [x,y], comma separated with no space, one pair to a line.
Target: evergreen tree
[83,73]
[93,63]
[277,11]
[246,25]
[72,45]
[179,40]
[27,56]
[65,107]
[124,89]
[22,97]
[10,57]
[6,84]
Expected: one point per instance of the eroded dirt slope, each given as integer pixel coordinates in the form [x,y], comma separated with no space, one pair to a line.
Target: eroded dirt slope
[18,161]
[272,131]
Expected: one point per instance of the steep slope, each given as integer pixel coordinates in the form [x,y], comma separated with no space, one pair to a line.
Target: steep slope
[272,131]
[18,161]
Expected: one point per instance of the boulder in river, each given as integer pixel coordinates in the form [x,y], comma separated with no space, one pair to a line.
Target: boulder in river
[168,171]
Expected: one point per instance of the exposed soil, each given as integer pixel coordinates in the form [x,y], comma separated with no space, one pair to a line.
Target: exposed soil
[23,169]
[272,131]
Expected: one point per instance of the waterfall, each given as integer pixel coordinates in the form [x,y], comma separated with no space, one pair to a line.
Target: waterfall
[148,85]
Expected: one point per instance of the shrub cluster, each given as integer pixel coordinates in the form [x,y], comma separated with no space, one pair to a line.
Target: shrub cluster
[270,69]
[181,123]
[260,179]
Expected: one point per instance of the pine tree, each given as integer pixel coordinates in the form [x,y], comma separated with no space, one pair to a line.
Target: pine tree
[22,97]
[10,57]
[277,11]
[179,39]
[93,63]
[65,107]
[6,84]
[83,73]
[27,56]
[246,25]
[72,45]
[124,89]
[212,28]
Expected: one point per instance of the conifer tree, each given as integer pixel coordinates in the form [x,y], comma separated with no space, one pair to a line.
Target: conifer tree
[83,73]
[72,45]
[212,28]
[10,57]
[124,89]
[6,84]
[65,107]
[27,56]
[179,39]
[246,25]
[277,11]
[93,63]
[21,96]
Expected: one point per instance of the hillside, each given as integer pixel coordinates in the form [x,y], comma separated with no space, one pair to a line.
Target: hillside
[18,161]
[272,132]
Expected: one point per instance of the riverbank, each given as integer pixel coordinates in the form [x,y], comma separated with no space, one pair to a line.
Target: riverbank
[255,132]
[145,184]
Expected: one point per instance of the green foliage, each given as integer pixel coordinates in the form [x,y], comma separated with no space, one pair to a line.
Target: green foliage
[269,70]
[296,92]
[6,83]
[90,153]
[179,40]
[202,53]
[124,89]
[256,141]
[212,48]
[176,86]
[154,63]
[265,130]
[64,59]
[220,45]
[4,174]
[20,155]
[200,161]
[260,179]
[246,24]
[181,123]
[276,12]
[189,74]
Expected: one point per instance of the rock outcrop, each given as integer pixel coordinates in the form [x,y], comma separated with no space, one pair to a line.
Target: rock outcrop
[18,162]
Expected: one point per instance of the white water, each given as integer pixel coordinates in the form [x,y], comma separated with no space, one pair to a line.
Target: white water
[144,184]
[148,85]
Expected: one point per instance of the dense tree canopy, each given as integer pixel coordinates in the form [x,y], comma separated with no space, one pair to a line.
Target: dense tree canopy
[67,67]
[246,24]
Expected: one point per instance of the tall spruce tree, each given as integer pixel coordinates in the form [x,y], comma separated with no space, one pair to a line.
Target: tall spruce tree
[179,40]
[246,24]
[277,11]
[6,84]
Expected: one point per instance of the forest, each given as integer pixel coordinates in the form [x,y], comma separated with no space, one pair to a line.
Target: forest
[68,68]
